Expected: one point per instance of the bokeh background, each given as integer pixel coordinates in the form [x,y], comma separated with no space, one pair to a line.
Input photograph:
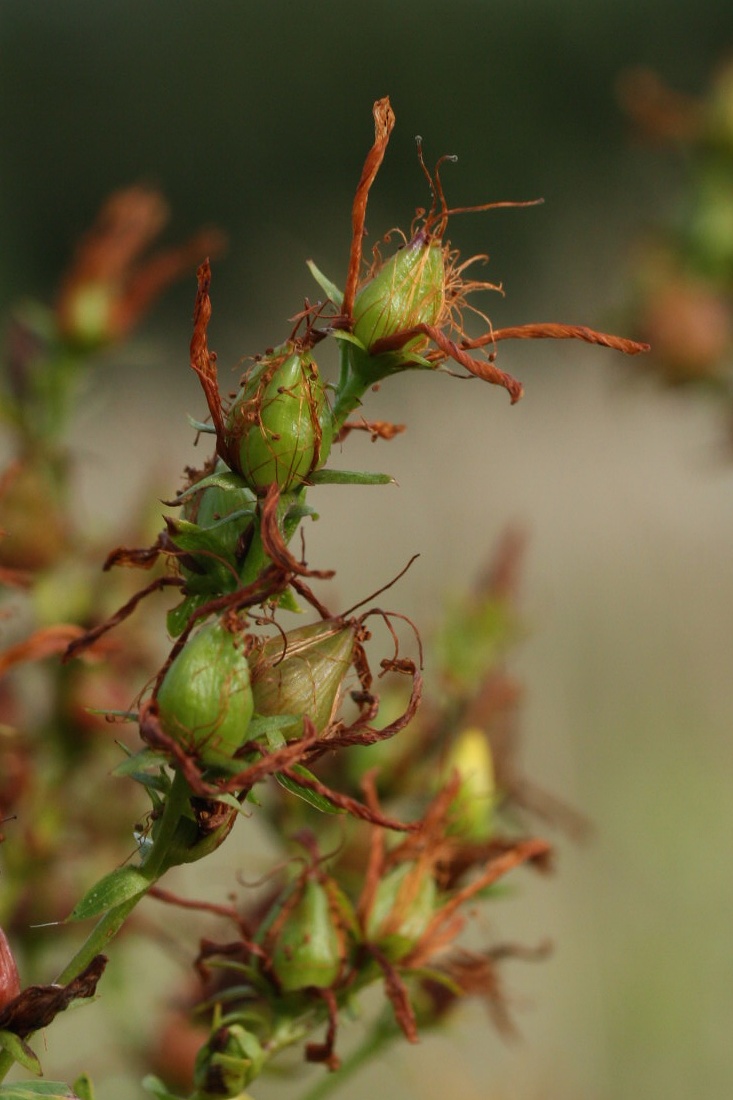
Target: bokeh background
[256,117]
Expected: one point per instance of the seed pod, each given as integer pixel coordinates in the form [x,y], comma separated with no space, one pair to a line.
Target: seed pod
[305,941]
[302,674]
[280,426]
[205,699]
[407,290]
[403,906]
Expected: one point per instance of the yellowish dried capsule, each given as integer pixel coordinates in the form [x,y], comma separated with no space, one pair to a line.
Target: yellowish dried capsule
[302,673]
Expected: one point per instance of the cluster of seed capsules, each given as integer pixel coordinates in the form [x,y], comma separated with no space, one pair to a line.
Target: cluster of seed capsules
[230,707]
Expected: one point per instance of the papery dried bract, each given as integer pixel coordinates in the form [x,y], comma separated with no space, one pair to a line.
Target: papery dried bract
[302,673]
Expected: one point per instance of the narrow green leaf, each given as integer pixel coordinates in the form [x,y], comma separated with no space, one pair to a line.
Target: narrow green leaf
[318,801]
[120,885]
[27,1090]
[103,712]
[209,429]
[329,289]
[350,477]
[222,479]
[349,338]
[139,763]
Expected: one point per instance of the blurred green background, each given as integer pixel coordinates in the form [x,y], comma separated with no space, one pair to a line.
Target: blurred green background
[256,117]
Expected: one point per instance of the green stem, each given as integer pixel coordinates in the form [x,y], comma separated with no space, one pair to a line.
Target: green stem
[153,867]
[176,805]
[348,398]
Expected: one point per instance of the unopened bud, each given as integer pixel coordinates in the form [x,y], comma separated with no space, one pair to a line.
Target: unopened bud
[227,1063]
[471,812]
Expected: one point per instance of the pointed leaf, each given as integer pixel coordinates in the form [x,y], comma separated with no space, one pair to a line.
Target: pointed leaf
[350,477]
[199,425]
[19,1050]
[28,1090]
[329,289]
[222,479]
[120,885]
[313,798]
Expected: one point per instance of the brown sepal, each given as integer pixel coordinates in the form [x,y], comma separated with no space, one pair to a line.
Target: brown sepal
[37,1005]
[384,121]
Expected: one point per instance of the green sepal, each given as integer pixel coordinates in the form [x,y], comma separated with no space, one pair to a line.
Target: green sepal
[270,727]
[313,798]
[300,510]
[222,479]
[178,616]
[104,712]
[120,885]
[288,602]
[194,539]
[350,477]
[153,1084]
[199,425]
[19,1050]
[137,767]
[83,1087]
[349,338]
[329,289]
[26,1090]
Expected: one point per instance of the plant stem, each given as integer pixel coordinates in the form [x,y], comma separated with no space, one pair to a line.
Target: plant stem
[110,923]
[153,867]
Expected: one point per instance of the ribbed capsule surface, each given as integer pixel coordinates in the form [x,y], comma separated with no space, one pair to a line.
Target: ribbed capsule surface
[302,673]
[280,426]
[308,948]
[205,700]
[406,291]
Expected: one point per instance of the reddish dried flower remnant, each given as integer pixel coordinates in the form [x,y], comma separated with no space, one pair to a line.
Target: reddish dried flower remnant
[416,297]
[109,286]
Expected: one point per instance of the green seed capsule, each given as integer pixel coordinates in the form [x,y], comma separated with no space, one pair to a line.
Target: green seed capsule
[280,427]
[407,290]
[308,947]
[205,699]
[404,904]
[302,674]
